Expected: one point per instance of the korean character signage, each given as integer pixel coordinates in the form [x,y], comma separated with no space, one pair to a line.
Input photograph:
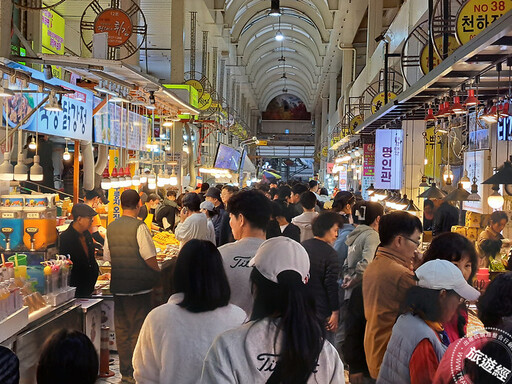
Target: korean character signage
[368,159]
[476,15]
[52,31]
[75,120]
[505,129]
[114,203]
[388,158]
[433,152]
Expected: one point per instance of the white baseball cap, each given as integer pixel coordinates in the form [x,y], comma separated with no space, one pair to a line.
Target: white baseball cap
[442,274]
[280,254]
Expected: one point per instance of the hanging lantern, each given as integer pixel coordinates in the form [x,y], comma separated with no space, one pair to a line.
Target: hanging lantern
[430,115]
[495,200]
[106,183]
[471,100]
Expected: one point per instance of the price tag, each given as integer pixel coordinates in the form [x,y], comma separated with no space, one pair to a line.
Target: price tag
[32,215]
[8,215]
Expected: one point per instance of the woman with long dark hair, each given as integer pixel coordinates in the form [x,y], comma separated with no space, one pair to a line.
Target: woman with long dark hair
[175,336]
[285,341]
[458,250]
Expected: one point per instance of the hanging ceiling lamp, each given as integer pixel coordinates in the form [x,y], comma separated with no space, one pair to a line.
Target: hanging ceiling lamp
[114,179]
[20,170]
[466,183]
[471,100]
[448,175]
[36,171]
[106,183]
[275,9]
[458,194]
[54,104]
[447,109]
[66,156]
[430,115]
[4,88]
[440,111]
[474,196]
[433,193]
[32,145]
[279,36]
[160,181]
[6,169]
[495,200]
[136,178]
[503,174]
[402,203]
[457,107]
[412,208]
[423,182]
[173,179]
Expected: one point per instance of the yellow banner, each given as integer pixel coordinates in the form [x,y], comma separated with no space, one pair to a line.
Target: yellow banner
[114,195]
[430,149]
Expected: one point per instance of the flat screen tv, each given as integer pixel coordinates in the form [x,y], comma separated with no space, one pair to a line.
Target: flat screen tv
[227,158]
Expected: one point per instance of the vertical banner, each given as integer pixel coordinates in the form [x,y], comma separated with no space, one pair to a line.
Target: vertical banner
[388,158]
[368,169]
[432,148]
[342,182]
[114,195]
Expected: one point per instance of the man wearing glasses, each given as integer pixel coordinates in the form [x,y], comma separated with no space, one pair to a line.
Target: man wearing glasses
[386,281]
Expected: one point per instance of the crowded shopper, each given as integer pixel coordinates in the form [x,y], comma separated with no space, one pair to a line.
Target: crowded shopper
[193,224]
[418,340]
[279,225]
[93,199]
[497,222]
[167,212]
[226,235]
[146,213]
[386,281]
[284,341]
[294,207]
[77,242]
[132,254]
[305,219]
[249,213]
[362,243]
[176,336]
[9,367]
[495,312]
[324,269]
[213,195]
[202,191]
[209,210]
[461,252]
[343,204]
[67,357]
[445,217]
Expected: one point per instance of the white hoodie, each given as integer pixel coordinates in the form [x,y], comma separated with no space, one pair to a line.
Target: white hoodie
[173,342]
[303,221]
[248,355]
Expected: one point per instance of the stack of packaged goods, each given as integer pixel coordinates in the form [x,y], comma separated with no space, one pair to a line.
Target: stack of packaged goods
[167,246]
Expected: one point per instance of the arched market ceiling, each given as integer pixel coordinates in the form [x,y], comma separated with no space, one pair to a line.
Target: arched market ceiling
[306,25]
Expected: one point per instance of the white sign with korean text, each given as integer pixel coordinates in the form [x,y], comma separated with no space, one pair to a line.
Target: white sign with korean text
[388,158]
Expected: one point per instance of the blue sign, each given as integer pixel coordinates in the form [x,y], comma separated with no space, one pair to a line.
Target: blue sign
[75,120]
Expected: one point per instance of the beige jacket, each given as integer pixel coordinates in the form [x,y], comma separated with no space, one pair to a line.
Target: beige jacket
[385,283]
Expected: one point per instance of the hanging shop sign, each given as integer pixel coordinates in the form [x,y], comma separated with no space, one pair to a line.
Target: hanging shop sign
[368,159]
[205,101]
[325,151]
[197,86]
[329,168]
[118,25]
[388,158]
[505,129]
[379,99]
[366,181]
[453,44]
[431,149]
[474,163]
[114,200]
[355,122]
[107,127]
[75,120]
[53,28]
[185,92]
[476,15]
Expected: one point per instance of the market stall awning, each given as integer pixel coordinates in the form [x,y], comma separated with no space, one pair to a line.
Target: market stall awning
[115,71]
[476,58]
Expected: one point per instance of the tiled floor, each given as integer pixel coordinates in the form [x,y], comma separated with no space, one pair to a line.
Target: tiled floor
[114,367]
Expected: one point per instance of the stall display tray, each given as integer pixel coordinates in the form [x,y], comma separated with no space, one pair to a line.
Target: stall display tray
[61,297]
[14,323]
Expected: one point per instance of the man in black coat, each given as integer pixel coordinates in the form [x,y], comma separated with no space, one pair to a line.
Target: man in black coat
[324,269]
[77,242]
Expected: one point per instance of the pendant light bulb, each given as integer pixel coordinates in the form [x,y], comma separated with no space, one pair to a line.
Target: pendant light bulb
[279,36]
[6,169]
[20,170]
[466,183]
[32,145]
[173,179]
[495,200]
[36,171]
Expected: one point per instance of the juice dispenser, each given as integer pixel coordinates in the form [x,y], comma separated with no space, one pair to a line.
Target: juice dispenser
[11,222]
[40,224]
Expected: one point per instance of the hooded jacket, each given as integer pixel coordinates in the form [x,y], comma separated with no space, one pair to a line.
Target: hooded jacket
[303,221]
[362,243]
[168,209]
[340,245]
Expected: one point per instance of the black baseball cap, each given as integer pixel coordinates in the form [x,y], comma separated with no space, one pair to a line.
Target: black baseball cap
[82,210]
[213,192]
